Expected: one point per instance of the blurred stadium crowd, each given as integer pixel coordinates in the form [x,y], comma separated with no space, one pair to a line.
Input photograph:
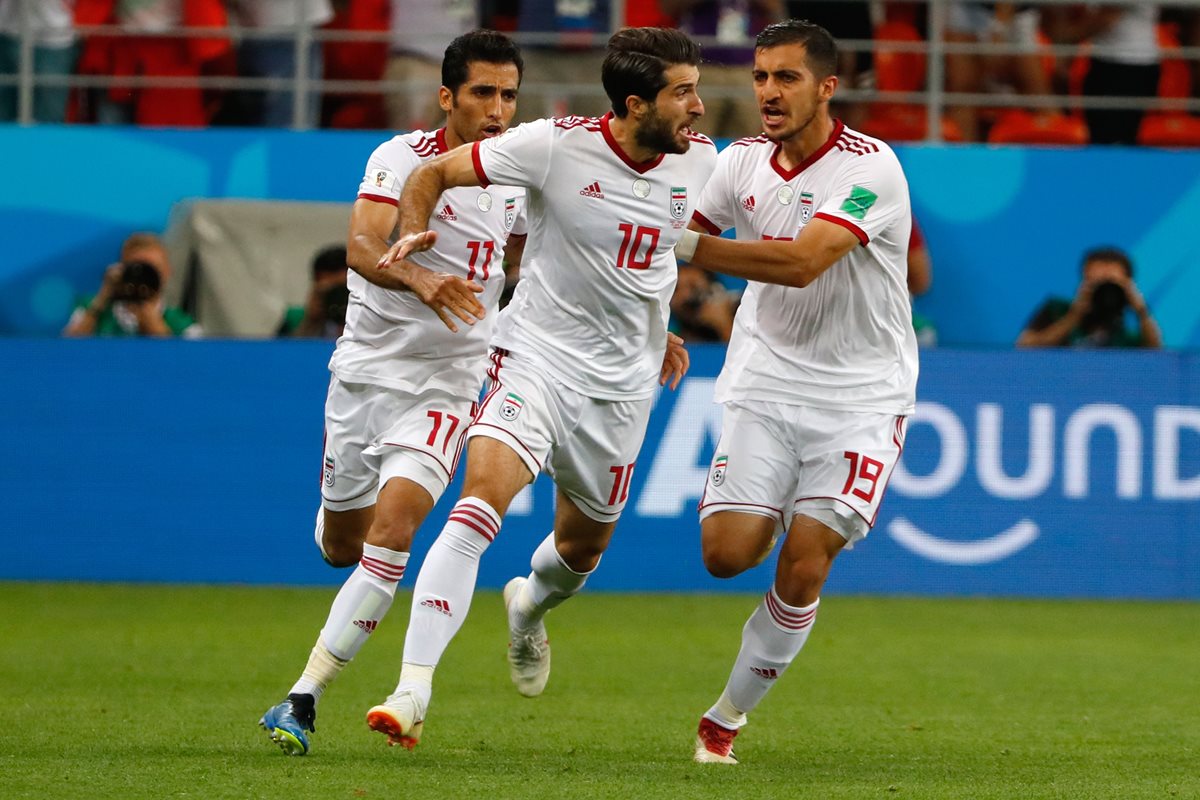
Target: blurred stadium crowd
[1045,72]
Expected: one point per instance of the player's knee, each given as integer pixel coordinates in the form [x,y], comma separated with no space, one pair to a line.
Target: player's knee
[394,533]
[580,556]
[723,560]
[342,553]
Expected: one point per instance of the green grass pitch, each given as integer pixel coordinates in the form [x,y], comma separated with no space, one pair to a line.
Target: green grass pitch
[115,691]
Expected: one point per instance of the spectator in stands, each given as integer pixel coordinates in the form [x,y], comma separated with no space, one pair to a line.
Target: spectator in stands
[323,316]
[52,27]
[356,61]
[1124,60]
[1012,24]
[143,51]
[702,310]
[420,31]
[564,53]
[1097,315]
[730,109]
[846,20]
[129,302]
[271,53]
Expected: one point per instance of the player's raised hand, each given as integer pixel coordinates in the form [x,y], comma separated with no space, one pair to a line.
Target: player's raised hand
[675,362]
[448,295]
[406,246]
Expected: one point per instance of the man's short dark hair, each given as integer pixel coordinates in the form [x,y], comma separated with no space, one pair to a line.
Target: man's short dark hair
[330,259]
[490,47]
[1108,253]
[820,48]
[637,61]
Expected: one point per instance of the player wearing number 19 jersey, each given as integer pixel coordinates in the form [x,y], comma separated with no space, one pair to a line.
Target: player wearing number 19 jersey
[821,372]
[405,384]
[577,353]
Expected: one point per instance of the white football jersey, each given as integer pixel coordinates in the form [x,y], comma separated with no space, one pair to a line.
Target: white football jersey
[846,340]
[598,272]
[391,337]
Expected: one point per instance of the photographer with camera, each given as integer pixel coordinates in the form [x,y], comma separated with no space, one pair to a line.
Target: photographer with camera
[129,302]
[1097,315]
[323,315]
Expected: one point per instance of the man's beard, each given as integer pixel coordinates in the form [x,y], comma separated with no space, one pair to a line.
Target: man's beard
[655,133]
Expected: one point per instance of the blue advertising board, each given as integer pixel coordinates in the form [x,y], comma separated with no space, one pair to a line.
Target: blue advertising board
[1005,226]
[1057,474]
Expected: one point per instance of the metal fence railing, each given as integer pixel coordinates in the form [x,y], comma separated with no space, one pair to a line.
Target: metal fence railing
[934,96]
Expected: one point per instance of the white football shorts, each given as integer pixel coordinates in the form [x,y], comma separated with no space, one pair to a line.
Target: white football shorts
[588,446]
[778,460]
[374,434]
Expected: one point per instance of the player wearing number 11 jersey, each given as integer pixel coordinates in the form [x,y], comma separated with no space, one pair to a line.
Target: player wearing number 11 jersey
[405,381]
[577,353]
[822,368]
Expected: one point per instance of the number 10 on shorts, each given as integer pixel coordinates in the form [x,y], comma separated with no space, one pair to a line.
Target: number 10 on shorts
[622,475]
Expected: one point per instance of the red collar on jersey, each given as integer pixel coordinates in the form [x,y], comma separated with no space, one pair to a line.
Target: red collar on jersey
[440,138]
[638,167]
[787,175]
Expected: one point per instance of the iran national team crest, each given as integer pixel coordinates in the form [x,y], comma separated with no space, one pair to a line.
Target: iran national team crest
[718,473]
[806,206]
[327,475]
[510,212]
[678,201]
[511,406]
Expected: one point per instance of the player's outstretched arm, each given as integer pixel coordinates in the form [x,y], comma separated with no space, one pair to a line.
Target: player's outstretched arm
[788,263]
[675,362]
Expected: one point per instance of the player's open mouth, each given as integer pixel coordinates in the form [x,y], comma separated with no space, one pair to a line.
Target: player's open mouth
[492,130]
[772,114]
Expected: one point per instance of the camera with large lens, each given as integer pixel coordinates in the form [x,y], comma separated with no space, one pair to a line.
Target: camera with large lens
[1109,302]
[140,281]
[336,299]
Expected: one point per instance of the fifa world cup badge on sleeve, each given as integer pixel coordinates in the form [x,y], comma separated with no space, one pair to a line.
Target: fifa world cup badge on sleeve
[511,406]
[718,473]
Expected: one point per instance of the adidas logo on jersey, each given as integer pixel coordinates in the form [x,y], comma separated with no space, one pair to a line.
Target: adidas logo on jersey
[592,190]
[447,214]
[367,625]
[748,204]
[437,604]
[770,673]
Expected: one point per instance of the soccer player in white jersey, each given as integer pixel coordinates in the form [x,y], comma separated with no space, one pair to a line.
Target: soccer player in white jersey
[405,377]
[576,355]
[821,372]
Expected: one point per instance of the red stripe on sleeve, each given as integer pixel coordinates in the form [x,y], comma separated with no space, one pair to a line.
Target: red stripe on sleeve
[479,173]
[847,224]
[378,198]
[706,223]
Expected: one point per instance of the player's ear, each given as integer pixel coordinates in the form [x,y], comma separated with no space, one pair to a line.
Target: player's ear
[828,87]
[636,106]
[445,99]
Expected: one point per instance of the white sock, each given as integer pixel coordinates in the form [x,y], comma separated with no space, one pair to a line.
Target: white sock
[446,583]
[550,584]
[319,672]
[771,639]
[360,604]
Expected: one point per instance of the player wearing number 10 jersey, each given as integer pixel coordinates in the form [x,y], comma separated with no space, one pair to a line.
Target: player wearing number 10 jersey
[405,381]
[577,353]
[821,371]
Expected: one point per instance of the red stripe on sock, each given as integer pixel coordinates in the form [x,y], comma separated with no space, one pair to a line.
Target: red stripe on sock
[788,619]
[479,516]
[382,569]
[470,523]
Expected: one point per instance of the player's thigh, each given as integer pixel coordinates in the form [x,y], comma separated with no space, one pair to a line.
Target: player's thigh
[754,470]
[518,422]
[848,459]
[349,476]
[594,463]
